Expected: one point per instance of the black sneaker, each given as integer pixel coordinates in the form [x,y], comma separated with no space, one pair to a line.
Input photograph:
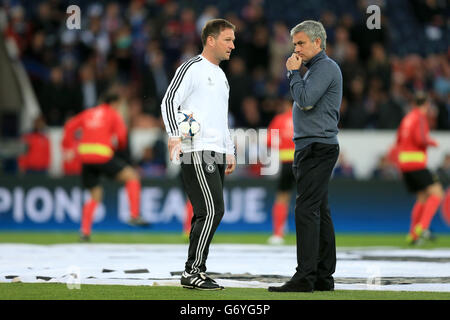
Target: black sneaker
[199,281]
[85,238]
[138,222]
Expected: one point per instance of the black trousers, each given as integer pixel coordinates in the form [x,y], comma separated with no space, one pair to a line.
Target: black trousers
[316,246]
[203,177]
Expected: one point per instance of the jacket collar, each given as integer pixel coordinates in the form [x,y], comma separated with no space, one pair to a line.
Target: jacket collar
[321,54]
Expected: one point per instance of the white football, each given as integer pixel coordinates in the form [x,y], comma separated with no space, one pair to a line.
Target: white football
[184,128]
[195,127]
[187,125]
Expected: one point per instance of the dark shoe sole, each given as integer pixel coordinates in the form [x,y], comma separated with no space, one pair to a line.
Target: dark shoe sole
[203,289]
[275,289]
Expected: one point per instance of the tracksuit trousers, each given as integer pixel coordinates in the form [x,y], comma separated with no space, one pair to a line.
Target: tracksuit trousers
[203,177]
[316,247]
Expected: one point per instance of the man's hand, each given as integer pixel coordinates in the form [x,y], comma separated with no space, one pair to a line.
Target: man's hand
[231,163]
[433,143]
[174,146]
[294,62]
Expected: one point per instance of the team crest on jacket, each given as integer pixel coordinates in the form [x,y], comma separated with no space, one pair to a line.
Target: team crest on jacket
[210,168]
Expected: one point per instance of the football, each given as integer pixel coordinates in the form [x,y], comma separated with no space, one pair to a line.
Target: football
[187,125]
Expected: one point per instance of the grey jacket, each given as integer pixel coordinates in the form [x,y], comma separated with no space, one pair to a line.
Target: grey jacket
[317,100]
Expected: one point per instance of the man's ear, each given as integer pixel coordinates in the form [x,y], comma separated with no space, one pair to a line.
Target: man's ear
[211,41]
[318,42]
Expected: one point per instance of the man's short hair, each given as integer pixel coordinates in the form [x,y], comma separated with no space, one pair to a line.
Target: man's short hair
[313,29]
[420,97]
[214,27]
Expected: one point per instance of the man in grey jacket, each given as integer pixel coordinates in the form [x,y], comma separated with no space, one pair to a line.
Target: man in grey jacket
[316,87]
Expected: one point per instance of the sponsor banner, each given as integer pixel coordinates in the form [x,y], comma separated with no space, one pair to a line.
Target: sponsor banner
[31,203]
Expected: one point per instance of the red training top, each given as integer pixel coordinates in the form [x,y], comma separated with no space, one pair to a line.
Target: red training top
[283,122]
[412,141]
[98,125]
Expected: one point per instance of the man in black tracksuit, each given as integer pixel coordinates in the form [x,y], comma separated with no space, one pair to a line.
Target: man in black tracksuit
[201,87]
[316,88]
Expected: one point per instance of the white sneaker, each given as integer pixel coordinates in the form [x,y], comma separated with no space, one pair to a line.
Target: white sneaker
[275,240]
[199,281]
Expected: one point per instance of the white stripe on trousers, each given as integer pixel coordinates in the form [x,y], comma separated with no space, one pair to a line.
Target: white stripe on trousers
[210,212]
[207,226]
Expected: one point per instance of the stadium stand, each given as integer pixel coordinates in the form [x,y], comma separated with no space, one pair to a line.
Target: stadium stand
[136,46]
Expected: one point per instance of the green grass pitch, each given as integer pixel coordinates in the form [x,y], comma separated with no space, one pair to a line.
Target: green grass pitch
[342,239]
[53,291]
[56,291]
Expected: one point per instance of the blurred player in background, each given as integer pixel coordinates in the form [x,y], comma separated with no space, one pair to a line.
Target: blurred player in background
[99,126]
[412,142]
[36,158]
[188,215]
[280,210]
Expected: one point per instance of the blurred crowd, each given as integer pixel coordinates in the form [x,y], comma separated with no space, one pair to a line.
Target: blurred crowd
[137,45]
